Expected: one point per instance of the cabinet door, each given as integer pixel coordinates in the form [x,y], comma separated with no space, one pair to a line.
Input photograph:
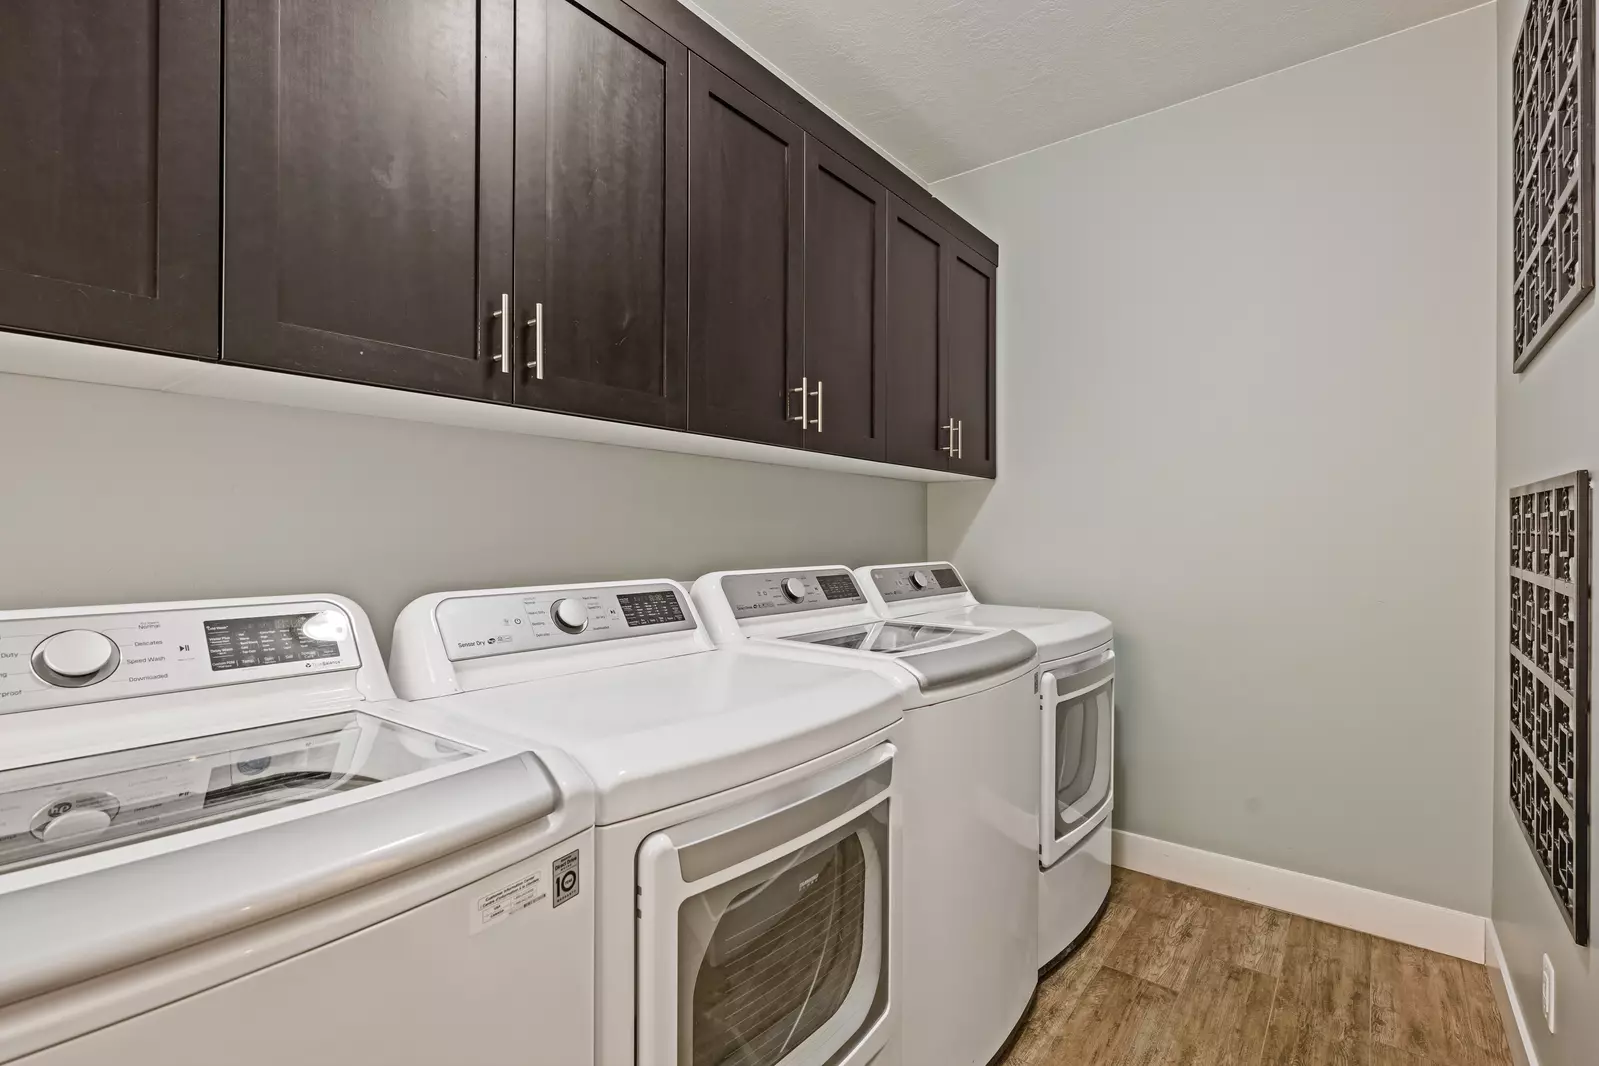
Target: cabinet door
[368,214]
[969,361]
[846,254]
[917,428]
[110,173]
[601,211]
[746,226]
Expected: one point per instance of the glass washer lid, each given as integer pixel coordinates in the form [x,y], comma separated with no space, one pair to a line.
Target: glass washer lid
[886,638]
[58,810]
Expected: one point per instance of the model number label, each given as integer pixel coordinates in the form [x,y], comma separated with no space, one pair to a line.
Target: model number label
[504,902]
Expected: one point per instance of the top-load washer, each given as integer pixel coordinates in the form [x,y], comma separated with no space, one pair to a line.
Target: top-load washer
[222,840]
[969,763]
[1077,704]
[748,813]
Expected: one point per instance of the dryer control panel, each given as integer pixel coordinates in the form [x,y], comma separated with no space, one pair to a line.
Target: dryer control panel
[777,592]
[899,583]
[61,658]
[474,627]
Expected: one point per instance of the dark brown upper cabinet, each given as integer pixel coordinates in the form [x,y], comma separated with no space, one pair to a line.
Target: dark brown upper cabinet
[746,264]
[918,432]
[601,226]
[846,272]
[109,179]
[941,348]
[969,362]
[369,191]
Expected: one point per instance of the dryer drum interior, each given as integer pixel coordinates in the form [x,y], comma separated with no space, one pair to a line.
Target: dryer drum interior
[785,963]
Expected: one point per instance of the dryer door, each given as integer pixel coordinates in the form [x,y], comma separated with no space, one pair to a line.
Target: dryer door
[1078,700]
[763,936]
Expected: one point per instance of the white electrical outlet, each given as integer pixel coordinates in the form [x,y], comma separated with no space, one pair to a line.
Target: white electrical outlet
[1549,993]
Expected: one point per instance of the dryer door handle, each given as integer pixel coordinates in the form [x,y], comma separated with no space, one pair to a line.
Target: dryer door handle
[726,838]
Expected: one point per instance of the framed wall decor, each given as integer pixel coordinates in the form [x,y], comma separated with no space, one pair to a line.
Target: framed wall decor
[1550,538]
[1552,208]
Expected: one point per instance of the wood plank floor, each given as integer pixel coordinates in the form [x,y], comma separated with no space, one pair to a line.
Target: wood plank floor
[1175,976]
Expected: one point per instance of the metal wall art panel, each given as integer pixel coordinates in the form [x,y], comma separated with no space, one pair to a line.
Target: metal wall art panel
[1549,720]
[1552,235]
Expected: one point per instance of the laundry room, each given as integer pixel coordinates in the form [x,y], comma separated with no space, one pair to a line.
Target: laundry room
[797,532]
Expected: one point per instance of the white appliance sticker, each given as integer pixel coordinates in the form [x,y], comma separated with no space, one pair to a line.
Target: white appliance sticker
[504,902]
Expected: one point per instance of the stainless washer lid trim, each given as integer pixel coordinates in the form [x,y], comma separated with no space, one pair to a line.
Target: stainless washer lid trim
[65,931]
[995,654]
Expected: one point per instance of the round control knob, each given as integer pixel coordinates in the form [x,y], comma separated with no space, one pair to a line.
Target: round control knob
[78,656]
[794,589]
[570,615]
[921,579]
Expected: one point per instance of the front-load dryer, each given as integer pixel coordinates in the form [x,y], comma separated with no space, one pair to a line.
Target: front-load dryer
[748,813]
[222,840]
[969,763]
[1077,727]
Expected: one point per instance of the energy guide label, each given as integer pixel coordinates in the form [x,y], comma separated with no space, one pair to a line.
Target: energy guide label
[504,902]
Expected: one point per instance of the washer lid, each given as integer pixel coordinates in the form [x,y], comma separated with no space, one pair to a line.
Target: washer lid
[84,917]
[1058,634]
[654,735]
[939,655]
[79,806]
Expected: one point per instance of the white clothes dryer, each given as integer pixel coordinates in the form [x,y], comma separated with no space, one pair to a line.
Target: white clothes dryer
[1077,728]
[747,809]
[969,763]
[221,839]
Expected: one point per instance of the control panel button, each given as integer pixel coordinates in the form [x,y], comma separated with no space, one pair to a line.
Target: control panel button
[74,658]
[82,822]
[794,589]
[921,579]
[83,814]
[570,615]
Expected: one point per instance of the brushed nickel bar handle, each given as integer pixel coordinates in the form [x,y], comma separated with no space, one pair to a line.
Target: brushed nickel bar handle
[949,428]
[506,338]
[817,422]
[803,418]
[537,322]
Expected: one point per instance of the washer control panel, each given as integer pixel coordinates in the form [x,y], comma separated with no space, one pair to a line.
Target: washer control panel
[50,660]
[474,627]
[779,592]
[898,583]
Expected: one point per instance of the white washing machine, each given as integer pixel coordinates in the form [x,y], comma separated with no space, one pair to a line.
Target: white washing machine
[1077,704]
[748,811]
[221,840]
[969,763]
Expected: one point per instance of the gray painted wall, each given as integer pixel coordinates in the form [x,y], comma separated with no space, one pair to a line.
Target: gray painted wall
[1248,414]
[1548,425]
[115,495]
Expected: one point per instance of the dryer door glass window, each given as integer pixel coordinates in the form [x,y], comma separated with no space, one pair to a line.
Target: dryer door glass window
[1084,724]
[787,964]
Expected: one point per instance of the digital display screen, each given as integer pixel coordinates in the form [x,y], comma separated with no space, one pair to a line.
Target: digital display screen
[650,608]
[947,578]
[236,643]
[838,586]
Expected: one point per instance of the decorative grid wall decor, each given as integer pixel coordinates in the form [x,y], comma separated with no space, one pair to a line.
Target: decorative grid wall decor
[1549,737]
[1552,151]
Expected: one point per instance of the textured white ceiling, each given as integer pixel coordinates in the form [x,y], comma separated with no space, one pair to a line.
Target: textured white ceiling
[948,85]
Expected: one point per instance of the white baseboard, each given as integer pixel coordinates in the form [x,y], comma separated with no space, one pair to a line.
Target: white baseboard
[1519,1036]
[1407,921]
